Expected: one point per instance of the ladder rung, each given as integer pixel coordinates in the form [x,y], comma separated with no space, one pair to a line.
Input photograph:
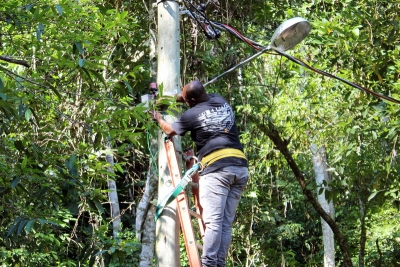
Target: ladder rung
[195,214]
[199,246]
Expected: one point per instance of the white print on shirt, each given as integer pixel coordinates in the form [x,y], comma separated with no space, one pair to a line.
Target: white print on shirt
[217,119]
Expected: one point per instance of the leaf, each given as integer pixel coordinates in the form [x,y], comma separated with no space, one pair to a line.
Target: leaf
[15,182]
[81,62]
[356,32]
[28,114]
[118,167]
[130,89]
[41,27]
[125,34]
[29,225]
[38,34]
[88,74]
[101,252]
[87,251]
[59,9]
[98,76]
[70,164]
[321,191]
[24,161]
[252,194]
[98,205]
[3,96]
[19,186]
[21,226]
[1,85]
[78,45]
[373,195]
[12,228]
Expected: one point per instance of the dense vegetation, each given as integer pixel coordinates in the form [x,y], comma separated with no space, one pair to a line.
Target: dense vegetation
[71,77]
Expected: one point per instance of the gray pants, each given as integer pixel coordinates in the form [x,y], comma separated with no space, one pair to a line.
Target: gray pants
[220,193]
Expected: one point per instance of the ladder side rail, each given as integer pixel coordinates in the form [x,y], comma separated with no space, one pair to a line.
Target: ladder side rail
[182,207]
[195,191]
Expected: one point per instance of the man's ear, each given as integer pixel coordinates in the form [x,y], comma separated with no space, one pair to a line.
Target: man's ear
[192,102]
[179,98]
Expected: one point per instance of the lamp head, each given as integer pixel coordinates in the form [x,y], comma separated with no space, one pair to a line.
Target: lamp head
[290,33]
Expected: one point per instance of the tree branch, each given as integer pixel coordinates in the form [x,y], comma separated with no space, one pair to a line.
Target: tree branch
[15,61]
[270,130]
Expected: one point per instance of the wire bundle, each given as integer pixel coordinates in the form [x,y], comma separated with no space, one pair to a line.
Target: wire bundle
[201,19]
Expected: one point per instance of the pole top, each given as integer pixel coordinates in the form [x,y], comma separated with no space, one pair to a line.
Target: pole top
[159,1]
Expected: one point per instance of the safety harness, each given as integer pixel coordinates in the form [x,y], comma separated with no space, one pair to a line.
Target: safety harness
[187,178]
[220,154]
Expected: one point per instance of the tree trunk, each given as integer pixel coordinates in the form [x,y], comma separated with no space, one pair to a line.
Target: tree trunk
[270,130]
[113,196]
[321,176]
[363,235]
[145,225]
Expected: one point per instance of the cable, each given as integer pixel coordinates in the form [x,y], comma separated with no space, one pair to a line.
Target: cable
[264,49]
[202,19]
[238,35]
[207,21]
[300,62]
[195,17]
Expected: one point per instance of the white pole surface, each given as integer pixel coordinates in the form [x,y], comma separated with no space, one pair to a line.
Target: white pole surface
[168,73]
[168,76]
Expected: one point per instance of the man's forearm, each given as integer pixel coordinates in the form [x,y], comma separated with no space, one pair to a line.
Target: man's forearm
[166,127]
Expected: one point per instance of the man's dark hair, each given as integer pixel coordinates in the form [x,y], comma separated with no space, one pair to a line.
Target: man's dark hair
[195,90]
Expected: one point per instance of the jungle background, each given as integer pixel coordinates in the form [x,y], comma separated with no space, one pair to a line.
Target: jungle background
[71,78]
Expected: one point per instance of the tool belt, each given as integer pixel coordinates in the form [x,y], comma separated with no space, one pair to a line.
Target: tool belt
[220,154]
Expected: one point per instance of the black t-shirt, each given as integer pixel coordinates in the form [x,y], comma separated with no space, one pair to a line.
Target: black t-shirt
[212,126]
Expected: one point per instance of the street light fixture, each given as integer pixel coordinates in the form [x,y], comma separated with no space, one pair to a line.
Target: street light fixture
[286,36]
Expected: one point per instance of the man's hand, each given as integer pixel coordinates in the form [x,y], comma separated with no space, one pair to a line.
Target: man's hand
[165,126]
[156,116]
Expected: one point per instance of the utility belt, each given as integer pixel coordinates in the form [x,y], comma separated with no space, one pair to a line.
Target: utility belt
[220,154]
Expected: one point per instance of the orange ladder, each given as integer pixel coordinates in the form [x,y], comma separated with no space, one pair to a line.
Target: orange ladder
[184,211]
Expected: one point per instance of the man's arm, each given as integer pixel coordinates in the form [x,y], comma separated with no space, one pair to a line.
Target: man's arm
[165,126]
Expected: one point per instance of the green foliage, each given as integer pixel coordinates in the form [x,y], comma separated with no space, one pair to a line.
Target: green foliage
[354,40]
[88,67]
[85,74]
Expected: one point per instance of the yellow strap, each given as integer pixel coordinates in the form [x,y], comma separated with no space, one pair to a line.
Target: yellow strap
[221,153]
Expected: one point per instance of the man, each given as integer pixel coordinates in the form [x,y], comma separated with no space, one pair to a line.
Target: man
[224,176]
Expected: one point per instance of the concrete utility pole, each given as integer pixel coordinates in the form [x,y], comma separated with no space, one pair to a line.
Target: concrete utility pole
[168,75]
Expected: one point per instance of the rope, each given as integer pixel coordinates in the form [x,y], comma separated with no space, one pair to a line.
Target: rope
[177,190]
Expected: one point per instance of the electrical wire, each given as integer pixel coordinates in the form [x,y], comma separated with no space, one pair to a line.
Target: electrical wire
[205,18]
[202,19]
[238,35]
[195,16]
[265,49]
[302,63]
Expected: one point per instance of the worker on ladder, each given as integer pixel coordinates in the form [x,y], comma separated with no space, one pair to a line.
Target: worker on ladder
[224,173]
